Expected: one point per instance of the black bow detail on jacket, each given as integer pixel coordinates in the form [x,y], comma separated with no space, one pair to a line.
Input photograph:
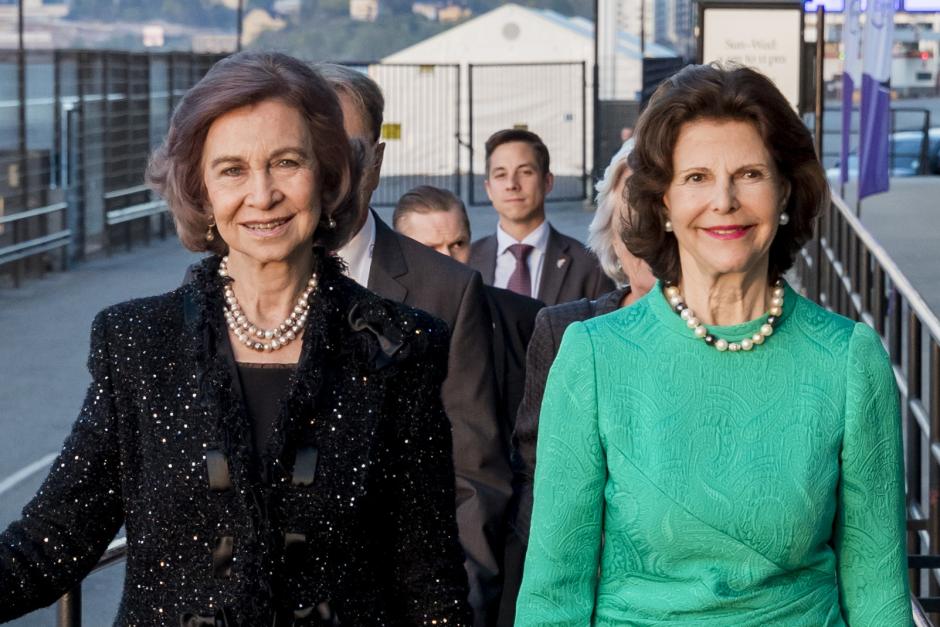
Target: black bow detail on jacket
[389,340]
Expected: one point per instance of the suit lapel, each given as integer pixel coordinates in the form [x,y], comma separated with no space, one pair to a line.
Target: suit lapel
[554,268]
[388,263]
[483,258]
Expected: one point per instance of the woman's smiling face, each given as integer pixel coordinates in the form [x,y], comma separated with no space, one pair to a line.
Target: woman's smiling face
[261,181]
[725,197]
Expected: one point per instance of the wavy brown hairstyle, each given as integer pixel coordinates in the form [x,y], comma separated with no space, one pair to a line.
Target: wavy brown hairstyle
[247,78]
[715,92]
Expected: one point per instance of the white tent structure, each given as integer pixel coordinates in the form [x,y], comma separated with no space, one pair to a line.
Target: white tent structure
[551,100]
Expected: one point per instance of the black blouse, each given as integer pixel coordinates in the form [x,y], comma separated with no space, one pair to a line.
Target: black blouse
[263,387]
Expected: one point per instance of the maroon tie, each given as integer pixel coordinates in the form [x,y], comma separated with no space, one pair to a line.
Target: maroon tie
[520,281]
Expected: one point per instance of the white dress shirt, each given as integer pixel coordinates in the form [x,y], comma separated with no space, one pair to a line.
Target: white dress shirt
[357,253]
[506,263]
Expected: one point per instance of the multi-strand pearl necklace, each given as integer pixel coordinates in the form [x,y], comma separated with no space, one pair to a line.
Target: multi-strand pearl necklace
[256,338]
[698,329]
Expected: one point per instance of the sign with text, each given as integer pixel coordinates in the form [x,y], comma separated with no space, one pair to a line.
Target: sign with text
[762,37]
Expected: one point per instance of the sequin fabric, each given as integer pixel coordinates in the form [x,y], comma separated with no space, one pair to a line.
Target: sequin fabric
[732,489]
[363,534]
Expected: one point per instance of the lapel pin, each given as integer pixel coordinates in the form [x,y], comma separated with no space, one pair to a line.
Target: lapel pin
[561,262]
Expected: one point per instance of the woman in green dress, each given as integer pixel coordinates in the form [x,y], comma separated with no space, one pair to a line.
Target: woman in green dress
[723,452]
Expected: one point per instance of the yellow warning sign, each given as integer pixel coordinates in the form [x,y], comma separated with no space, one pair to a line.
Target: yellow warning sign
[391,130]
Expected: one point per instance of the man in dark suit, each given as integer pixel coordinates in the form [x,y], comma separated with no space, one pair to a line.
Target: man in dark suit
[400,269]
[438,219]
[526,254]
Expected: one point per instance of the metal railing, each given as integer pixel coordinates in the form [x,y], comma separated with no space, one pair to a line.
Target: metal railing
[846,270]
[76,130]
[69,607]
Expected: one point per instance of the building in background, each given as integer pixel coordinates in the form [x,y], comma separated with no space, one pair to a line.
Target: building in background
[514,35]
[364,10]
[441,11]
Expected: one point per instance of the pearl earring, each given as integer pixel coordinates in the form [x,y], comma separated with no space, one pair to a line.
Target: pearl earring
[330,223]
[784,218]
[210,232]
[668,226]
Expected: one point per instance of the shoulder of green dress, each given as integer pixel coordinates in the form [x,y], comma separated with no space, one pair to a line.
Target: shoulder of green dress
[623,320]
[867,349]
[818,323]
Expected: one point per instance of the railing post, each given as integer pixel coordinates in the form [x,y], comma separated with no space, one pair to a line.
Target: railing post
[69,610]
[934,466]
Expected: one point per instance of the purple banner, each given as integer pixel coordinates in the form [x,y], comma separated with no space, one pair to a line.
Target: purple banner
[875,120]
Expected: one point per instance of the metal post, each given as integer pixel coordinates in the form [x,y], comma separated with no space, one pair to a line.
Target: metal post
[238,28]
[69,610]
[642,31]
[819,101]
[595,96]
[21,115]
[819,109]
[924,169]
[586,178]
[471,184]
[457,189]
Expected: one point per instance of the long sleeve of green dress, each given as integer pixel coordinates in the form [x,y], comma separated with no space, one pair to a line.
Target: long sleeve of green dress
[871,517]
[679,485]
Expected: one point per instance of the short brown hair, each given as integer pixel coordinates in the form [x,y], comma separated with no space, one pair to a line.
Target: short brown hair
[715,92]
[240,80]
[425,199]
[508,135]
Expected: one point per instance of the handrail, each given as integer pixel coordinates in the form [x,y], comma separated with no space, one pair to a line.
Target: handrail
[845,269]
[916,301]
[32,213]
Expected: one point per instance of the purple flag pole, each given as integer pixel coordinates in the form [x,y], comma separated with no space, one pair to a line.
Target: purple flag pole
[851,72]
[878,40]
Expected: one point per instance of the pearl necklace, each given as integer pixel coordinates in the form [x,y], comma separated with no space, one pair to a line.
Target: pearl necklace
[746,344]
[256,338]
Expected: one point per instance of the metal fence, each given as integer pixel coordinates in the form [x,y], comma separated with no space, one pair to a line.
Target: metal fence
[549,99]
[74,144]
[846,270]
[74,151]
[421,128]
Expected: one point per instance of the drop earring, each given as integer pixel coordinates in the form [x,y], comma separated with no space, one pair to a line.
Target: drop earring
[668,226]
[210,232]
[784,218]
[330,223]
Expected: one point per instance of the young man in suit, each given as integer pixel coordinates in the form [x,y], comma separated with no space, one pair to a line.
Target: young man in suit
[526,254]
[438,219]
[400,269]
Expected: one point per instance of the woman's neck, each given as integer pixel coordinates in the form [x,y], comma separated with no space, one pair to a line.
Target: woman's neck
[726,299]
[268,292]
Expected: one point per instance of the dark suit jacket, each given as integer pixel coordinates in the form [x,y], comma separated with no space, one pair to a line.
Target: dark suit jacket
[164,447]
[569,271]
[550,326]
[513,323]
[406,271]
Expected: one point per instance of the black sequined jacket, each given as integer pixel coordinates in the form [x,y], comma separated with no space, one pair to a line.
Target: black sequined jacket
[356,523]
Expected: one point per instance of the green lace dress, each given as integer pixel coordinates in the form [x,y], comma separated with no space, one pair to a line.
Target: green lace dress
[679,485]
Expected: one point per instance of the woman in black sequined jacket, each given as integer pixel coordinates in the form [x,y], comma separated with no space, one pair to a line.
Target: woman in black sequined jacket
[344,517]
